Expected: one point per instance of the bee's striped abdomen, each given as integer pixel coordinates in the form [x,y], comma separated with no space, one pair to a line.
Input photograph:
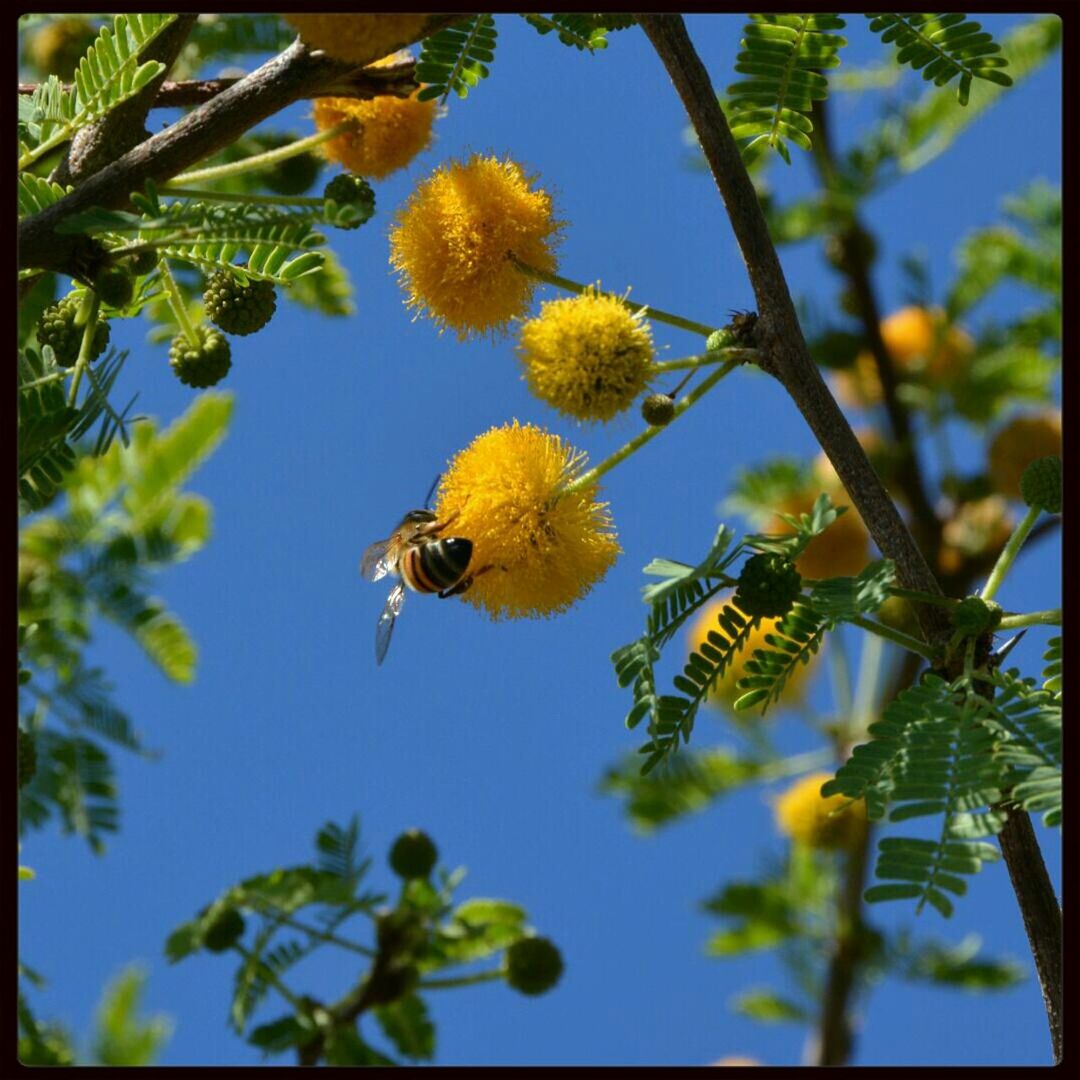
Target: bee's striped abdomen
[438,565]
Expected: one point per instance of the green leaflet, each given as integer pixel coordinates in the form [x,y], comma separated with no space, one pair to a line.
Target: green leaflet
[455,59]
[782,58]
[944,47]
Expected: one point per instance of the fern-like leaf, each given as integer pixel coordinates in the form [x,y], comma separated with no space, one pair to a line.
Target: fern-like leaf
[456,58]
[582,32]
[845,597]
[782,57]
[1052,671]
[796,638]
[944,47]
[108,75]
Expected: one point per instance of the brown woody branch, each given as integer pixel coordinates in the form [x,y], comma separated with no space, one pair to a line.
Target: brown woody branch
[291,76]
[787,358]
[397,81]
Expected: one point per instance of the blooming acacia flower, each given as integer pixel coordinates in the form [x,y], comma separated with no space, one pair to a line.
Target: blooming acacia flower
[453,240]
[535,551]
[361,38]
[842,550]
[725,691]
[922,348]
[391,131]
[1021,441]
[807,817]
[588,355]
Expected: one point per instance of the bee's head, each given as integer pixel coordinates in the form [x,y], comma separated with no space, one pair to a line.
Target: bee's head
[414,520]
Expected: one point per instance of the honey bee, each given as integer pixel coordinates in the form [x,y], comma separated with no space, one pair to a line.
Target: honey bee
[424,561]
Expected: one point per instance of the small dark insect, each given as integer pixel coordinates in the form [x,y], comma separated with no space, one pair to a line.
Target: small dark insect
[742,324]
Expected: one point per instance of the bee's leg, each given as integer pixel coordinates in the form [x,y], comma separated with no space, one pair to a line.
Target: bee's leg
[436,527]
[464,583]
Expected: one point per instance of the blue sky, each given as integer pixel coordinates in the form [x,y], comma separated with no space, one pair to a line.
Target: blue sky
[492,737]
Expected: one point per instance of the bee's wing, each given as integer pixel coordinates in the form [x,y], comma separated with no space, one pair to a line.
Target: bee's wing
[385,626]
[374,564]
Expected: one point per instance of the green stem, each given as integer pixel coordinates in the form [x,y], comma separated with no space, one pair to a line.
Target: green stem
[93,302]
[588,479]
[461,980]
[176,303]
[324,935]
[685,363]
[577,287]
[897,637]
[244,197]
[1009,553]
[261,161]
[1051,617]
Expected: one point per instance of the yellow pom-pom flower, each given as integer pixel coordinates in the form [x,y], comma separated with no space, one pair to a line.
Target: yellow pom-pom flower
[535,551]
[805,816]
[391,131]
[360,38]
[726,691]
[588,355]
[921,348]
[1020,442]
[452,243]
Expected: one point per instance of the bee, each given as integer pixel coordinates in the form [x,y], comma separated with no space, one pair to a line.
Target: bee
[423,560]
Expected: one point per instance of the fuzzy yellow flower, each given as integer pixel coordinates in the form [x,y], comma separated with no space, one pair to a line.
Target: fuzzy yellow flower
[805,816]
[391,131]
[360,38]
[453,238]
[920,347]
[1020,442]
[534,554]
[587,356]
[726,691]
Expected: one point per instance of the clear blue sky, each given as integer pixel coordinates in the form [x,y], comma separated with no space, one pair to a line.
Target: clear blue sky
[492,737]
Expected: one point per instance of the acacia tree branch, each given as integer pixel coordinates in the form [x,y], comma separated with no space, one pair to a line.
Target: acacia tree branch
[123,126]
[780,337]
[397,81]
[290,76]
[778,334]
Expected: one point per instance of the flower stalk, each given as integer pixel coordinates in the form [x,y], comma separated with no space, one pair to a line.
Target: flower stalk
[656,314]
[589,478]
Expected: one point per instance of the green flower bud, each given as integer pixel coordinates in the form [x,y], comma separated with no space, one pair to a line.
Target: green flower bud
[1040,485]
[413,855]
[533,965]
[237,308]
[768,585]
[353,192]
[658,409]
[56,328]
[974,615]
[115,286]
[226,929]
[203,364]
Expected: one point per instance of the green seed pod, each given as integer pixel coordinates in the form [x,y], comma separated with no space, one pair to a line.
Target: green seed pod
[768,586]
[533,965]
[56,328]
[204,363]
[237,308]
[115,286]
[226,929]
[658,409]
[974,615]
[1040,484]
[413,855]
[354,192]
